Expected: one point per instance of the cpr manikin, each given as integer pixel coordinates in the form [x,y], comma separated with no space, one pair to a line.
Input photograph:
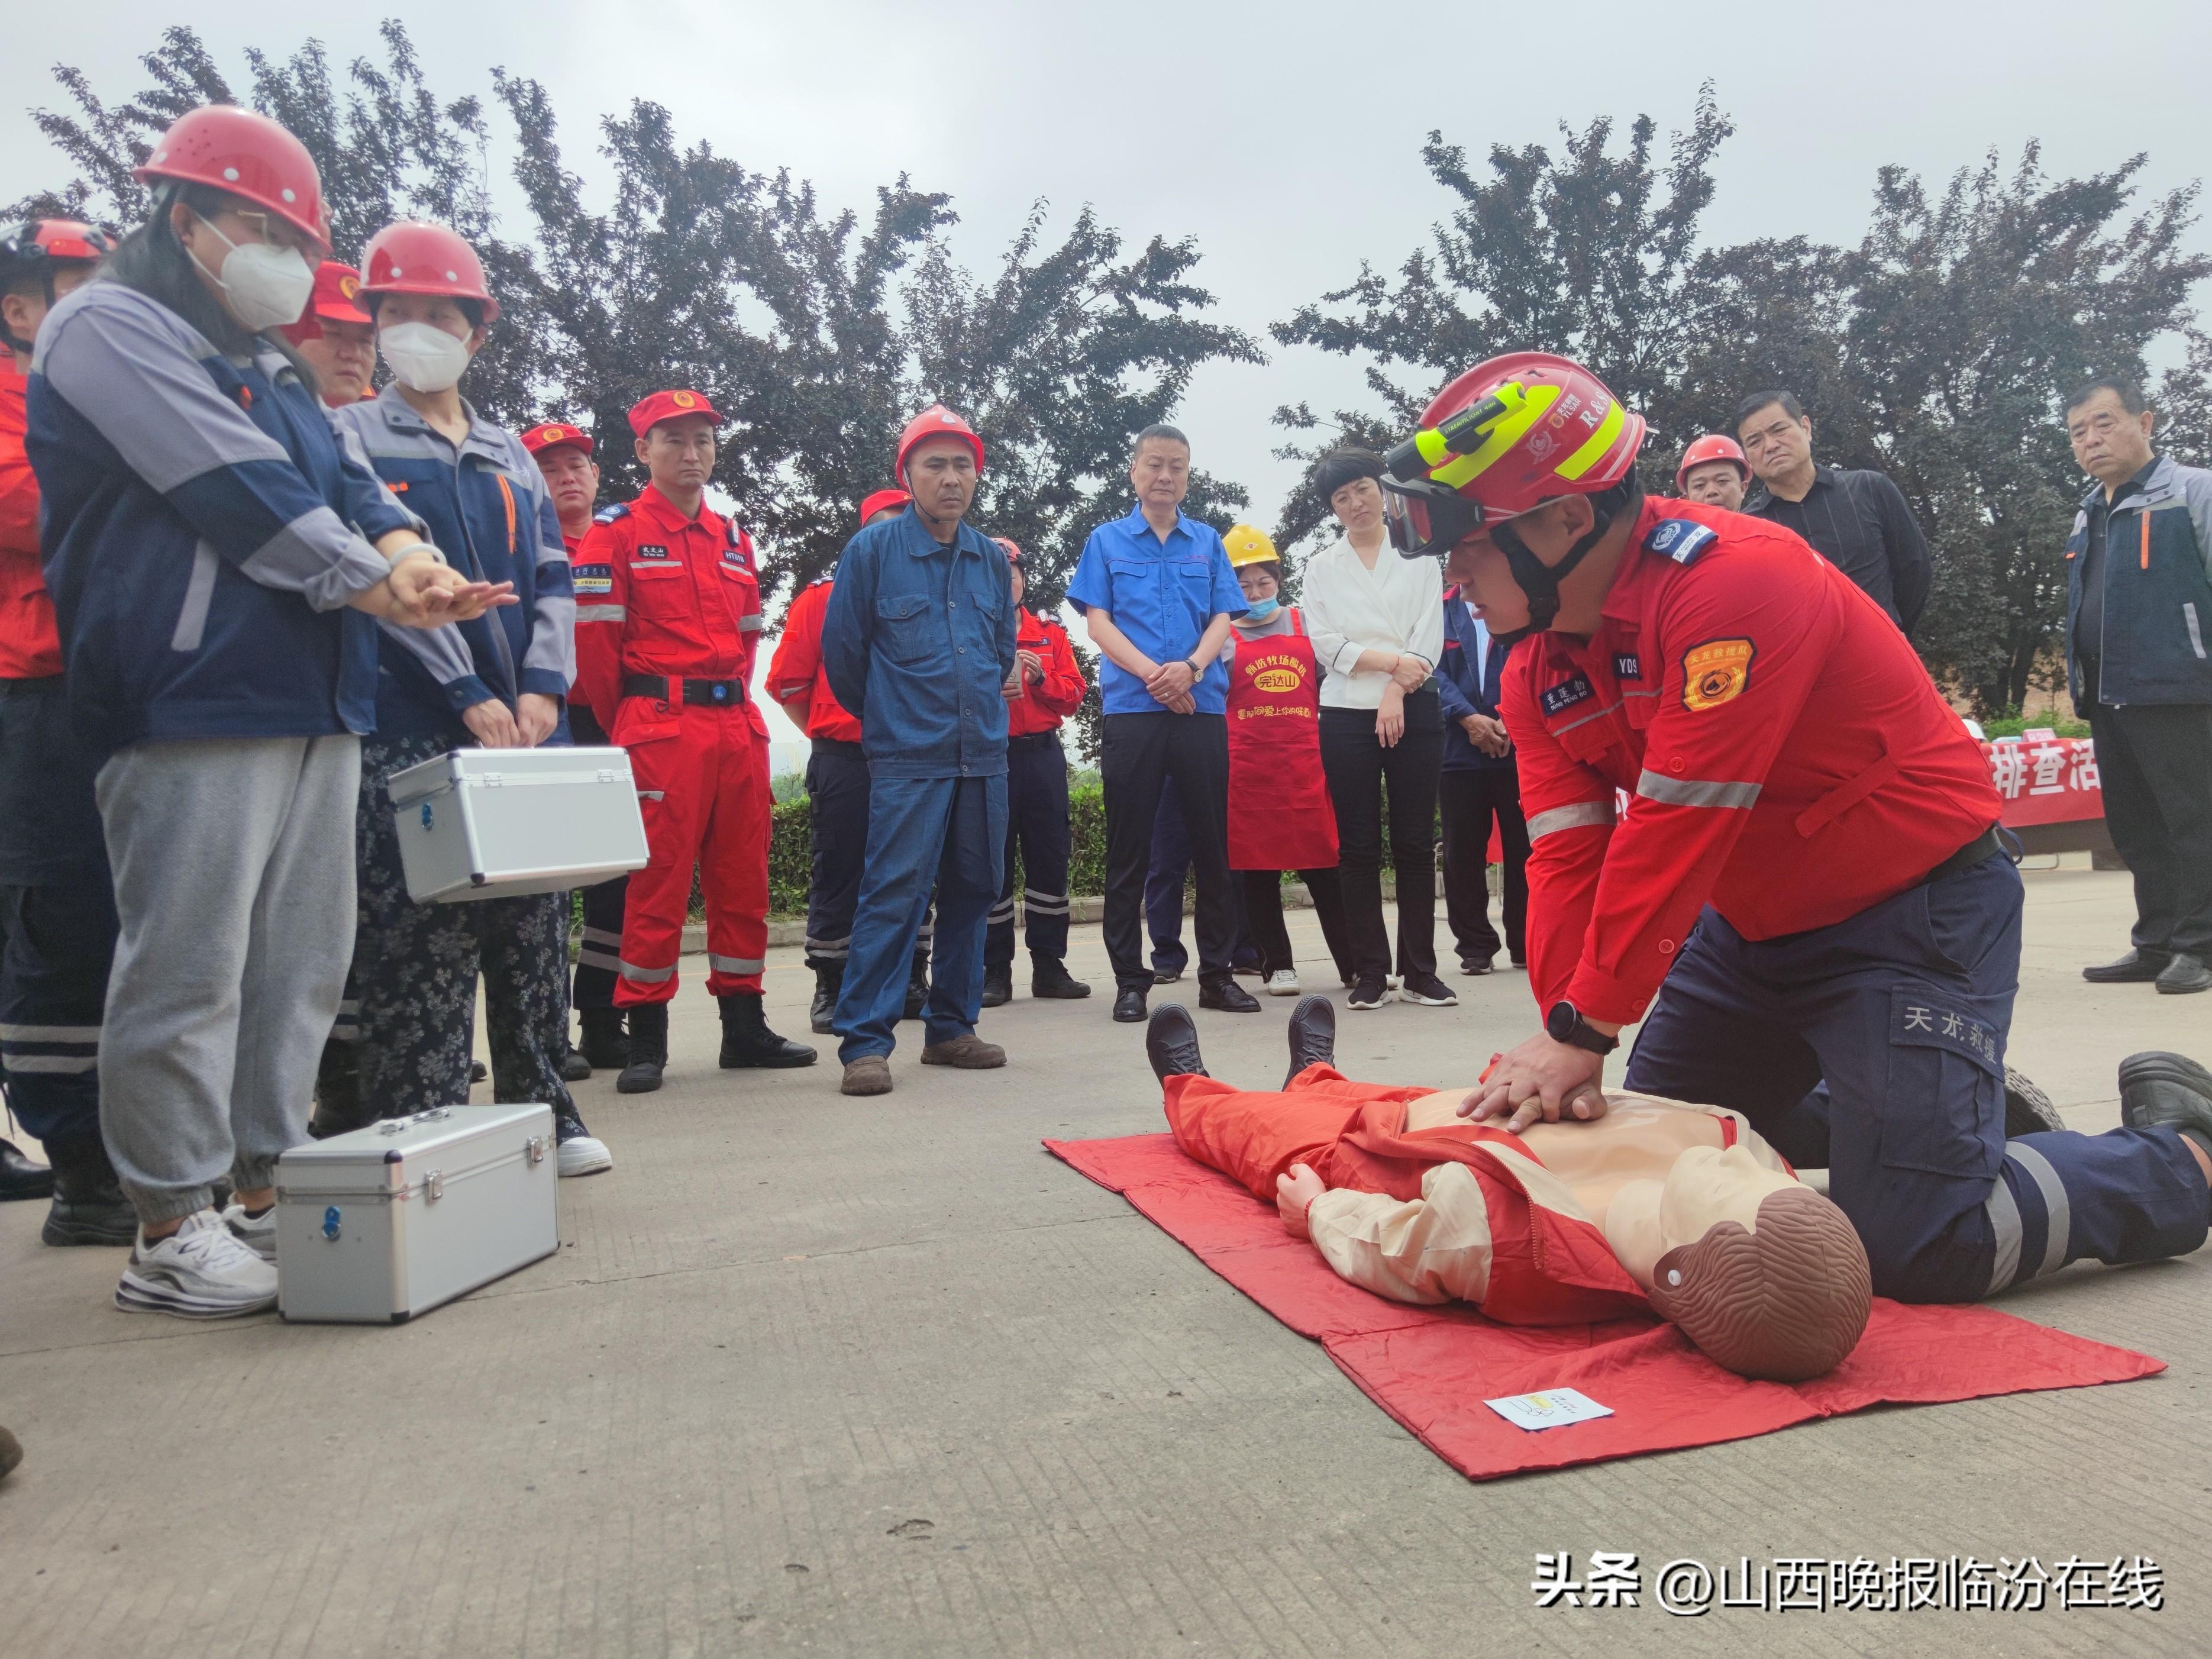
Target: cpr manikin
[1680,1209]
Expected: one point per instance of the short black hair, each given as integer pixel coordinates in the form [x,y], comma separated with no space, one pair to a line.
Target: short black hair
[1162,431]
[1272,567]
[471,309]
[1759,400]
[1347,465]
[2129,392]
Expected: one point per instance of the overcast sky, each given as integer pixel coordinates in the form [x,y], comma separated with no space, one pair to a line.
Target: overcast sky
[1284,137]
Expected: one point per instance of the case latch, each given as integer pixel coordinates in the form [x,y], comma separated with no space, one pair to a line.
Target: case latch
[433,1185]
[536,1149]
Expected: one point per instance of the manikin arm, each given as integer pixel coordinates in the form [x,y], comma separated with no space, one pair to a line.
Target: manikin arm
[1432,1249]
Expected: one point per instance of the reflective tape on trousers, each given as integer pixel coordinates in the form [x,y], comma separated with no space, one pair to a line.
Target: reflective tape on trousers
[2058,1213]
[733,965]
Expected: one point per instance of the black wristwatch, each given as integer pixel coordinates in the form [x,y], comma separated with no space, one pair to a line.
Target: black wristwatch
[1196,672]
[1563,1024]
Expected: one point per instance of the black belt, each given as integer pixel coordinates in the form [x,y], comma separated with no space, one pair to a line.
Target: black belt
[1982,846]
[700,694]
[1026,741]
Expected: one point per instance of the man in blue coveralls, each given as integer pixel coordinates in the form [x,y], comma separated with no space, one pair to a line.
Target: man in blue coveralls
[919,640]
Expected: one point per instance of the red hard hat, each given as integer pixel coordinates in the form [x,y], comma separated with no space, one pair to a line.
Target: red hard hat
[1713,446]
[40,243]
[1014,554]
[414,257]
[335,300]
[554,434]
[247,155]
[935,421]
[871,505]
[648,412]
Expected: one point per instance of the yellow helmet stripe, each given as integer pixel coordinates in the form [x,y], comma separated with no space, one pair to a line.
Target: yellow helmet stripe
[1599,441]
[1527,404]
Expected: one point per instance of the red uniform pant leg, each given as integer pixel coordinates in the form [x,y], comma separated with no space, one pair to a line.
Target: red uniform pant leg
[1254,1136]
[672,757]
[734,859]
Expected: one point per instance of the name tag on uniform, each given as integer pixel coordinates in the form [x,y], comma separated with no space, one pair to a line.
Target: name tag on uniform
[1627,666]
[646,551]
[1565,694]
[594,578]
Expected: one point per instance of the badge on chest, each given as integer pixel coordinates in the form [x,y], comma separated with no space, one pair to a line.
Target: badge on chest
[1557,699]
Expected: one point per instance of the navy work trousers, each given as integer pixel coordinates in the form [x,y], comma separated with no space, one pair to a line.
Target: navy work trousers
[1036,827]
[58,943]
[1903,1011]
[949,831]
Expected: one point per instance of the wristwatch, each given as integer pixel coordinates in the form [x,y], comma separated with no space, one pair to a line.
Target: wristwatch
[1562,1023]
[1196,672]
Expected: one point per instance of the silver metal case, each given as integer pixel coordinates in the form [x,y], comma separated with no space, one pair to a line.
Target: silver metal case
[481,824]
[379,1225]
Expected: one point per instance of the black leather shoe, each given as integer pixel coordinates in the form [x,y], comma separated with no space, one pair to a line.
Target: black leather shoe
[1313,1036]
[1171,1043]
[603,1043]
[2160,1090]
[1226,996]
[88,1206]
[2028,1111]
[917,990]
[574,1068]
[1050,978]
[648,1049]
[829,986]
[747,1041]
[2183,975]
[997,986]
[1129,1005]
[2136,968]
[478,1072]
[21,1177]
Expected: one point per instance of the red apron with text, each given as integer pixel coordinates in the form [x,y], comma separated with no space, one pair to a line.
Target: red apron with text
[1279,815]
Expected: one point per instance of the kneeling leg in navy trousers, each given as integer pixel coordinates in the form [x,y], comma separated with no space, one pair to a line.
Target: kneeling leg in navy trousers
[1904,1010]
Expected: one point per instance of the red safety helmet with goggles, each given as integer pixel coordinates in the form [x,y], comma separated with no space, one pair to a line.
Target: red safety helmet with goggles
[35,250]
[1504,439]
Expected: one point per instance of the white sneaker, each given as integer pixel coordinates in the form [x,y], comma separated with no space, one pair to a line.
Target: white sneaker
[202,1270]
[583,1155]
[257,1233]
[1281,983]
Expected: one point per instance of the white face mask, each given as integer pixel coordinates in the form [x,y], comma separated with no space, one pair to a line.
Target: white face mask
[267,286]
[423,358]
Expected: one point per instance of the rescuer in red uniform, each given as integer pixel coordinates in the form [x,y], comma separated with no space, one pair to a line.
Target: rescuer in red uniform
[1809,860]
[667,616]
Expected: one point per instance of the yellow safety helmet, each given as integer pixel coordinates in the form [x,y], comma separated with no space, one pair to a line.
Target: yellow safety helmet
[1249,546]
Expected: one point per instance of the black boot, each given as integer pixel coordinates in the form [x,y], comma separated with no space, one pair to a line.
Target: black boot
[89,1206]
[746,1040]
[20,1177]
[999,985]
[829,986]
[574,1068]
[917,988]
[604,1045]
[1049,977]
[338,1108]
[648,1049]
[1171,1043]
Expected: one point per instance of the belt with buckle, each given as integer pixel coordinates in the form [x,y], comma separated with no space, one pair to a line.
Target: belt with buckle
[1982,846]
[700,694]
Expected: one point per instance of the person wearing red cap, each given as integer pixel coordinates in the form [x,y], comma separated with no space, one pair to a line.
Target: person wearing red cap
[57,903]
[836,788]
[1714,472]
[918,643]
[1046,687]
[668,616]
[335,336]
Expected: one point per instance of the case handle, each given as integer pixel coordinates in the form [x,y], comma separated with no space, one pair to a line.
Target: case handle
[392,1126]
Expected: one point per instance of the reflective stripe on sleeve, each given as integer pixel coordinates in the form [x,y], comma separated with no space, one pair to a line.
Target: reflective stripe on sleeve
[600,613]
[1694,792]
[1583,814]
[749,624]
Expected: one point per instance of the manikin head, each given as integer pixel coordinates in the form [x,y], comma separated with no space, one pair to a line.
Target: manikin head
[1762,1274]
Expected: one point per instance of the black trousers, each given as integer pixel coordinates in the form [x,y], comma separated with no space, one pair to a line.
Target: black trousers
[600,952]
[2154,762]
[1263,918]
[1468,800]
[1037,826]
[1164,886]
[1359,769]
[1141,756]
[56,943]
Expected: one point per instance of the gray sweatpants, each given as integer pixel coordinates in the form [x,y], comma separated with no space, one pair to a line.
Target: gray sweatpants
[235,881]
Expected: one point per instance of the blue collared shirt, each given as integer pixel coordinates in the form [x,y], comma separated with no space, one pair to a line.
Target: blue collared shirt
[918,640]
[1162,595]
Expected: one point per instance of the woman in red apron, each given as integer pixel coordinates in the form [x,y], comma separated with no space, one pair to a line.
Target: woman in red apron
[1279,815]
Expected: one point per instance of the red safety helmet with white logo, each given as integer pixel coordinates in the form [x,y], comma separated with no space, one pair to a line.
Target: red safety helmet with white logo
[247,155]
[935,421]
[1713,446]
[414,257]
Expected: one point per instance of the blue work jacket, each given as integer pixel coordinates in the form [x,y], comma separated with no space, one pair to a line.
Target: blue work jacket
[1162,595]
[1462,691]
[918,642]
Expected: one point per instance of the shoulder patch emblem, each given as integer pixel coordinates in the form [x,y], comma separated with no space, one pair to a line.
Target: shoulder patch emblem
[611,514]
[1683,540]
[1564,695]
[1715,673]
[594,578]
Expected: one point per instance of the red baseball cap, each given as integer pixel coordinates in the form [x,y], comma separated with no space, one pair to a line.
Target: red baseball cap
[649,412]
[883,498]
[336,299]
[555,433]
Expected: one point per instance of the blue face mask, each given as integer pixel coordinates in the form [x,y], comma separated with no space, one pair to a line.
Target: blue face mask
[1261,610]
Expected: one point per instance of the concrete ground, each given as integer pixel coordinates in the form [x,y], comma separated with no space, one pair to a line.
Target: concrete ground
[882,1377]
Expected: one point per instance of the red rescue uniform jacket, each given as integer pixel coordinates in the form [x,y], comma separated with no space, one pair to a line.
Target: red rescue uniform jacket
[660,593]
[30,649]
[1786,757]
[796,668]
[1044,703]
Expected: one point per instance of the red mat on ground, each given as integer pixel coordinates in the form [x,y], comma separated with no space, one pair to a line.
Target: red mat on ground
[1432,1367]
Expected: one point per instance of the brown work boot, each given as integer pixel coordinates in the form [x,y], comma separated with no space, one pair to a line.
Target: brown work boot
[871,1074]
[968,1052]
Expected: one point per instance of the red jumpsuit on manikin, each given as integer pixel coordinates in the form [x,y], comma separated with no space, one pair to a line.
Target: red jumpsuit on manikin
[660,594]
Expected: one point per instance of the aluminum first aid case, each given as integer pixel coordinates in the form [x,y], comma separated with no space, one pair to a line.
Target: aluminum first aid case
[379,1225]
[497,822]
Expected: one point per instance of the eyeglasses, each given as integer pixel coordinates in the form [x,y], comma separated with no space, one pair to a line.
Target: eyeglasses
[277,233]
